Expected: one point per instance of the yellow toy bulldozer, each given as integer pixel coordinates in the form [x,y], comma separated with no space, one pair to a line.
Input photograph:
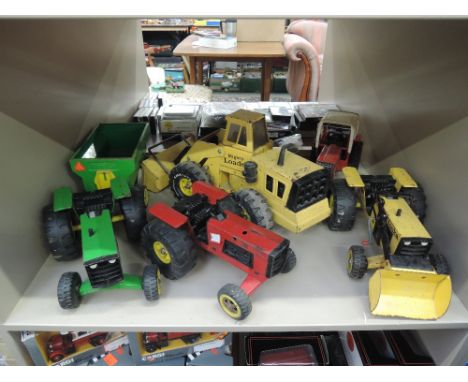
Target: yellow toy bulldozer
[270,183]
[409,281]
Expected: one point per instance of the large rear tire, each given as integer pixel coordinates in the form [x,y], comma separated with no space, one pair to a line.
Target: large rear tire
[254,207]
[134,212]
[183,175]
[171,249]
[416,199]
[343,206]
[63,242]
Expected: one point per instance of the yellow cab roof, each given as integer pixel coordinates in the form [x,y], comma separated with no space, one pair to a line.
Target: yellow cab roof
[246,115]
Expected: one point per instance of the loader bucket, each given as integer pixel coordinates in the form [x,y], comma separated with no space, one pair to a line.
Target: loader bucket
[409,294]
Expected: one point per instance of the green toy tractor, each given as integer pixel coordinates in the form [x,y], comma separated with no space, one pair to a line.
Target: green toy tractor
[82,223]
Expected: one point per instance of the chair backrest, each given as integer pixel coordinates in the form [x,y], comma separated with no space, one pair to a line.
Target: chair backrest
[314,31]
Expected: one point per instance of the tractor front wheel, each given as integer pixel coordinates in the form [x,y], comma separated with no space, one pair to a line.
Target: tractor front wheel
[440,264]
[68,290]
[151,282]
[234,301]
[357,262]
[290,261]
[62,241]
[254,207]
[183,175]
[343,206]
[170,248]
[134,212]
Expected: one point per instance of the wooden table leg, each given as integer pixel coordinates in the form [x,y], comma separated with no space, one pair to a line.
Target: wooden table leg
[199,72]
[266,79]
[193,70]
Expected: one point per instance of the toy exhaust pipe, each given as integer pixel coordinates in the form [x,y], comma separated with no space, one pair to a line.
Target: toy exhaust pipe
[409,294]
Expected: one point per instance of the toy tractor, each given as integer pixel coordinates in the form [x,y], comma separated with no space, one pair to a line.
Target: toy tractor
[210,219]
[269,183]
[337,142]
[61,345]
[409,281]
[81,223]
[153,341]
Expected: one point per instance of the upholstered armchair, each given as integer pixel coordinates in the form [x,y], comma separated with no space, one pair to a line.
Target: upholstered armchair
[304,42]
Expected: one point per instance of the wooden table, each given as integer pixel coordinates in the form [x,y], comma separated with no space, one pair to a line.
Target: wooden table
[268,54]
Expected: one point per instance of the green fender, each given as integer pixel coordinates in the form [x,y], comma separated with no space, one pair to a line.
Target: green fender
[63,199]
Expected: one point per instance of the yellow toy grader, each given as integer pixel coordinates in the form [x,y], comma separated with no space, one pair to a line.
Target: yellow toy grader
[409,281]
[269,183]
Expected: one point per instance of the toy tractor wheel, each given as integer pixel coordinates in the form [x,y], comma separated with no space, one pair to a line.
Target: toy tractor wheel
[416,199]
[151,348]
[355,154]
[68,290]
[254,207]
[357,262]
[234,301]
[290,262]
[98,340]
[134,212]
[440,264]
[62,241]
[151,282]
[171,249]
[183,175]
[57,358]
[343,206]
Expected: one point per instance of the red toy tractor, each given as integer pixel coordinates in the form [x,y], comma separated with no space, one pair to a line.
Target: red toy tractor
[337,142]
[61,345]
[211,218]
[153,341]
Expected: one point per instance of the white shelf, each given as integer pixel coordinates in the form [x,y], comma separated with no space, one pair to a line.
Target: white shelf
[316,295]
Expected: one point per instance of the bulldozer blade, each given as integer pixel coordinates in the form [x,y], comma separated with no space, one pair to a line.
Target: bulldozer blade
[409,294]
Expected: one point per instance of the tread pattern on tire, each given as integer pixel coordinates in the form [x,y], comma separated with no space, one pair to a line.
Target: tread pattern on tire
[62,241]
[343,212]
[151,283]
[359,262]
[188,169]
[238,295]
[440,264]
[134,211]
[68,292]
[416,199]
[177,241]
[256,206]
[290,262]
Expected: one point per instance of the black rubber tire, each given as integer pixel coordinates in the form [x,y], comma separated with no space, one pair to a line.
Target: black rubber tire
[177,242]
[256,207]
[191,338]
[188,170]
[241,299]
[134,212]
[357,262]
[314,154]
[440,264]
[355,154]
[151,282]
[416,199]
[343,212]
[68,290]
[57,358]
[290,261]
[98,340]
[151,348]
[63,243]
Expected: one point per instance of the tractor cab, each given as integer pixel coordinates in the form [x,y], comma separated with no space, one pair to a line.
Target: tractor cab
[246,130]
[337,142]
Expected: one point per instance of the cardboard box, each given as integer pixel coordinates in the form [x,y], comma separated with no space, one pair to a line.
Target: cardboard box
[174,348]
[86,345]
[260,30]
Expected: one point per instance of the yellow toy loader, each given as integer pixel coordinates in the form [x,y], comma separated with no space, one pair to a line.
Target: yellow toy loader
[269,183]
[409,281]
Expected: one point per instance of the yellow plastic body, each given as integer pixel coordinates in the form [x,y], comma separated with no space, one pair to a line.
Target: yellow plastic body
[402,178]
[403,293]
[353,179]
[225,165]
